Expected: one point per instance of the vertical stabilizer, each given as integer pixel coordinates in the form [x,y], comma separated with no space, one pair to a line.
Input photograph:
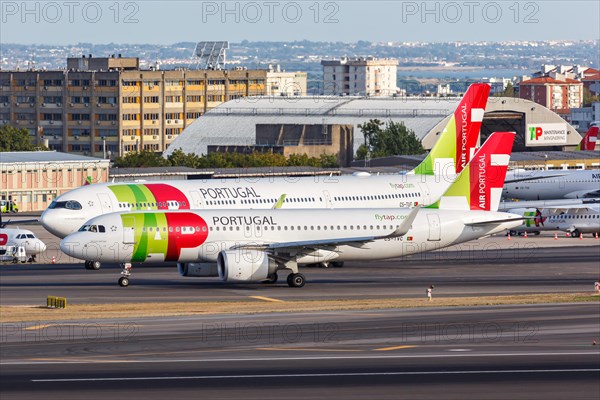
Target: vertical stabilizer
[458,140]
[479,185]
[589,140]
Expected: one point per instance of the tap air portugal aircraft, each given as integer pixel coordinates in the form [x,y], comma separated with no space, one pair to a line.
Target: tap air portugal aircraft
[253,245]
[549,185]
[450,154]
[552,216]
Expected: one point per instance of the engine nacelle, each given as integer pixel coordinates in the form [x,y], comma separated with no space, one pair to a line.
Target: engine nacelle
[245,265]
[197,269]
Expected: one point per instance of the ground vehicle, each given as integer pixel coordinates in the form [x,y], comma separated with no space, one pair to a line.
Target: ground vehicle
[14,254]
[7,206]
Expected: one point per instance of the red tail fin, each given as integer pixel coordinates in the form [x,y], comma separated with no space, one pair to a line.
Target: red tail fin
[468,117]
[589,140]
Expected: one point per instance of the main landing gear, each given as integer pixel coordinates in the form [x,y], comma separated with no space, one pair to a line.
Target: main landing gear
[126,272]
[296,280]
[95,265]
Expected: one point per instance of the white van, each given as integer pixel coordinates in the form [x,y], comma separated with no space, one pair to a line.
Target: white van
[13,254]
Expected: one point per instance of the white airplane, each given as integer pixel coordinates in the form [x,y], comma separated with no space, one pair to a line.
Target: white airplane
[20,238]
[575,219]
[547,185]
[450,154]
[253,245]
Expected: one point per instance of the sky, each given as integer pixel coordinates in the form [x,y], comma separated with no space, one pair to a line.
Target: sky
[165,22]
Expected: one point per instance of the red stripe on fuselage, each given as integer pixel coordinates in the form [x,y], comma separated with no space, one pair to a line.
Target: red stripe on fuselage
[164,193]
[178,239]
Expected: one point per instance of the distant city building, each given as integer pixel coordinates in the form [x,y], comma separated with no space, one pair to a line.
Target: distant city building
[365,76]
[592,83]
[584,116]
[109,106]
[443,90]
[282,83]
[561,72]
[498,85]
[34,178]
[558,95]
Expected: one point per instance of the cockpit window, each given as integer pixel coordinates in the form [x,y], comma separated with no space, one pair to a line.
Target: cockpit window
[92,228]
[69,205]
[30,236]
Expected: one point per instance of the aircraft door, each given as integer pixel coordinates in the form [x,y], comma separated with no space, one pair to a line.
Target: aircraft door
[128,230]
[105,203]
[327,199]
[425,195]
[434,227]
[196,200]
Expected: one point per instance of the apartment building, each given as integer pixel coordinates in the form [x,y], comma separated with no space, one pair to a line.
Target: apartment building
[107,106]
[557,95]
[364,76]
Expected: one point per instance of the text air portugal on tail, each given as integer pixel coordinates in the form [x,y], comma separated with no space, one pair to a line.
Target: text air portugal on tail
[460,137]
[479,187]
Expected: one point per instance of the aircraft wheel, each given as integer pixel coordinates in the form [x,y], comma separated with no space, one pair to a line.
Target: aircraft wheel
[337,264]
[87,265]
[296,280]
[123,281]
[575,234]
[95,265]
[272,278]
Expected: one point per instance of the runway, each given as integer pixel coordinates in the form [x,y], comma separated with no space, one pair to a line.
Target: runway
[542,351]
[485,352]
[520,269]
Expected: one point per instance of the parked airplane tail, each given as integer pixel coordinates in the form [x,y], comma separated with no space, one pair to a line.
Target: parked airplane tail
[479,185]
[589,140]
[458,140]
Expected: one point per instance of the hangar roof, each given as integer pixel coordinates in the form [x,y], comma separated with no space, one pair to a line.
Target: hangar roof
[234,122]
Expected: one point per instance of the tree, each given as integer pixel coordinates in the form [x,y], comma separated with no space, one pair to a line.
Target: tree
[145,158]
[589,98]
[15,139]
[394,139]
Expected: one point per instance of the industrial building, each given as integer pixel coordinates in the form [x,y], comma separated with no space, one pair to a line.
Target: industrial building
[107,106]
[32,179]
[236,123]
[364,76]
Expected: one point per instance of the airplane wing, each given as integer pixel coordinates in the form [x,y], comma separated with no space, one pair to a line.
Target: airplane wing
[494,221]
[358,241]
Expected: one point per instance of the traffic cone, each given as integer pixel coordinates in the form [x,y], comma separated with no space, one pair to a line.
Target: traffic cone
[593,342]
[581,236]
[53,260]
[525,235]
[568,234]
[596,235]
[556,236]
[508,236]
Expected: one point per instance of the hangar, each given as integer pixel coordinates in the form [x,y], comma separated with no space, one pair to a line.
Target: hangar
[235,122]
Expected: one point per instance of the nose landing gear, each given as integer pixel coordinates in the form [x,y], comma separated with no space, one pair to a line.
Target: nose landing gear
[126,273]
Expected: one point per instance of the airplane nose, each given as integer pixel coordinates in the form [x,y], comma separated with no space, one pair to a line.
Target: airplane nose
[42,246]
[54,224]
[69,246]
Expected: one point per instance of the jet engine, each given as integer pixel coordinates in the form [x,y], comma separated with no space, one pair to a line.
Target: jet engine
[245,265]
[197,269]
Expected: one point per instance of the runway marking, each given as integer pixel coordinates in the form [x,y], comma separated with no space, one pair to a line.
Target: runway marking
[394,348]
[322,375]
[318,358]
[305,349]
[267,299]
[44,326]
